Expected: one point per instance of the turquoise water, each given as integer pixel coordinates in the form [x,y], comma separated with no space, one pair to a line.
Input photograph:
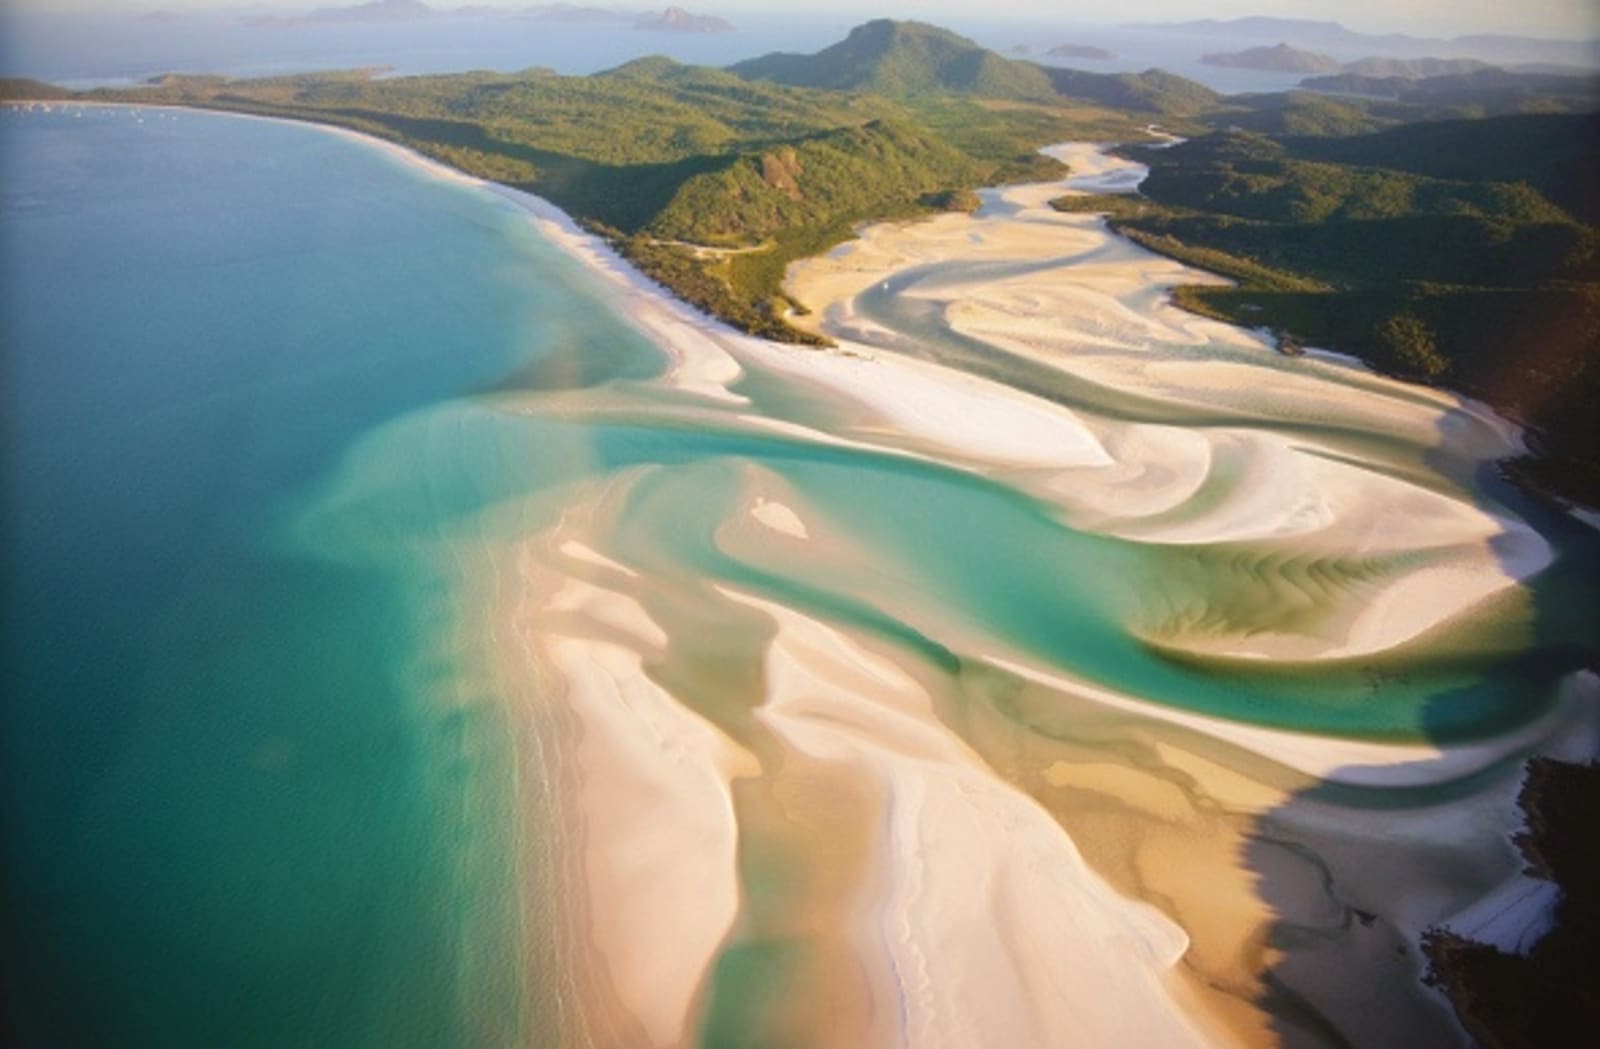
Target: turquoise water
[260,789]
[237,812]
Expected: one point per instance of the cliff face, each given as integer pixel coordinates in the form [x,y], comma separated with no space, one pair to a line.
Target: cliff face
[781,170]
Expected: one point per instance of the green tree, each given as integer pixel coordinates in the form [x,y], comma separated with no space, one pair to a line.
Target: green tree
[1409,344]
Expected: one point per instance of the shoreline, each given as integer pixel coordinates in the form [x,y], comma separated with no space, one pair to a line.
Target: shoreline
[840,294]
[1383,767]
[708,357]
[601,256]
[1526,487]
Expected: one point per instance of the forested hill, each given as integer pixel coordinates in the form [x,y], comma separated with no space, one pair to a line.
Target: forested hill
[1489,91]
[911,60]
[1431,251]
[709,182]
[903,59]
[1556,153]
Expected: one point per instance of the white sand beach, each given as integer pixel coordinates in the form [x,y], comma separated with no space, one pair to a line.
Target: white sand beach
[984,915]
[1089,306]
[749,781]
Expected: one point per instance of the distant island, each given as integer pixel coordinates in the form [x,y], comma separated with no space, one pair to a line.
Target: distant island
[1495,90]
[1097,54]
[1498,48]
[1284,58]
[1414,68]
[677,20]
[1280,58]
[1261,27]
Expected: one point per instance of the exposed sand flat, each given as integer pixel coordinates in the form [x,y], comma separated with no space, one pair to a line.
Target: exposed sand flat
[885,851]
[964,866]
[573,548]
[914,406]
[1304,461]
[779,518]
[1130,479]
[944,413]
[1099,316]
[652,798]
[661,823]
[987,926]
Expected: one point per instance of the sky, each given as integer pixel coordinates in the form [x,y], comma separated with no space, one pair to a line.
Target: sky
[1557,18]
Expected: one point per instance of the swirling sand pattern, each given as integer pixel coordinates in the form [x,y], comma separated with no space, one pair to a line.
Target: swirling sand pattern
[951,687]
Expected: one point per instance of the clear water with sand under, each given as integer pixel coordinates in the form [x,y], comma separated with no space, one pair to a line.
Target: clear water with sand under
[280,409]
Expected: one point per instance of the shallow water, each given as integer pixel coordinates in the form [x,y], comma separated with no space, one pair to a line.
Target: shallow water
[285,415]
[255,796]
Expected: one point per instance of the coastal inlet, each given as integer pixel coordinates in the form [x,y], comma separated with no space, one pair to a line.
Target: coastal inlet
[428,633]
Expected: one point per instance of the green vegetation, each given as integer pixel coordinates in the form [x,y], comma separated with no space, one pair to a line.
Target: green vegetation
[913,61]
[1477,93]
[710,182]
[1303,113]
[1557,154]
[18,90]
[902,60]
[1006,135]
[954,200]
[1254,177]
[1437,247]
[850,174]
[1406,340]
[787,203]
[1485,284]
[1153,92]
[1349,105]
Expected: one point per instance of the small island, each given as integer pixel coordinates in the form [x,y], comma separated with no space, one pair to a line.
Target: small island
[1280,58]
[1085,51]
[677,20]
